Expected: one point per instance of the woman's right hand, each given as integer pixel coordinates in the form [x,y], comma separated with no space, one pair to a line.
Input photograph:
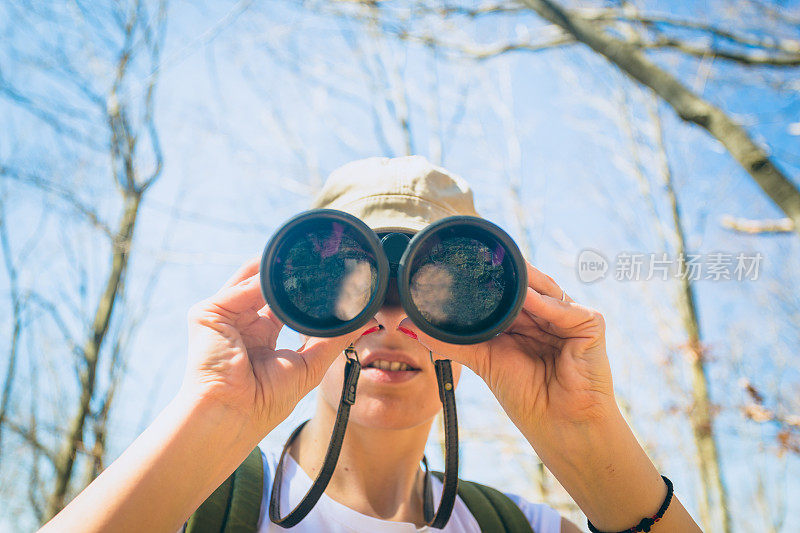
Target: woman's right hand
[233,361]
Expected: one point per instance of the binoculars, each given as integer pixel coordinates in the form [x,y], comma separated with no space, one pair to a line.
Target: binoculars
[461,280]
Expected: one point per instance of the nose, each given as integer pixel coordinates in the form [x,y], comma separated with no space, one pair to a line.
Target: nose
[389,317]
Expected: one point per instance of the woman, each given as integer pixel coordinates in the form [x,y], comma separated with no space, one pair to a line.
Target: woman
[549,371]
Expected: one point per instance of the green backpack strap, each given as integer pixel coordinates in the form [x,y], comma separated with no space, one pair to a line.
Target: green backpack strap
[236,504]
[493,510]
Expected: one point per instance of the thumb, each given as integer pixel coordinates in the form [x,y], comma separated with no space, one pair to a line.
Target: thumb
[467,354]
[320,352]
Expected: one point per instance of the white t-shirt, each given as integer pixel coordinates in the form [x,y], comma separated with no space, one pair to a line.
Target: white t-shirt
[330,516]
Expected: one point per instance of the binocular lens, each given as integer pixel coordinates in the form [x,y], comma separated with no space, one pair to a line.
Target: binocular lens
[325,273]
[461,280]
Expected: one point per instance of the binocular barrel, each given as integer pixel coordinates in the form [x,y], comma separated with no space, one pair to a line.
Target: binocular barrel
[326,273]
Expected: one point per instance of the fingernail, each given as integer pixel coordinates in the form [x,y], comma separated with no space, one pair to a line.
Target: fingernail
[407,332]
[371,330]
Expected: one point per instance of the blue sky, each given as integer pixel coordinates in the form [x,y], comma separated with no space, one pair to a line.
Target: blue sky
[255,110]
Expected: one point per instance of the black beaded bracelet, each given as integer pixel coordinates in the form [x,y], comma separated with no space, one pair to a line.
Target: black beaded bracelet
[646,523]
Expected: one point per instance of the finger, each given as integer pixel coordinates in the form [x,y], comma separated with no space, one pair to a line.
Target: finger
[544,284]
[245,295]
[245,271]
[274,325]
[261,329]
[320,352]
[564,316]
[468,354]
[534,333]
[529,325]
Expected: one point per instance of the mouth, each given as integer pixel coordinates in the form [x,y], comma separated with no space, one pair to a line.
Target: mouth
[389,367]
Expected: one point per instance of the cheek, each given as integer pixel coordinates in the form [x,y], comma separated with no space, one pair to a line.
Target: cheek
[456,367]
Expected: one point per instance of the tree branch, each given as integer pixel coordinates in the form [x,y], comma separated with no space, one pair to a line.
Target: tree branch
[31,439]
[54,314]
[61,192]
[479,52]
[16,328]
[771,51]
[751,59]
[789,47]
[744,225]
[688,105]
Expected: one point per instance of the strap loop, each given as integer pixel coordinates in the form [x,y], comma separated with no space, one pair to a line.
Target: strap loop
[444,377]
[351,371]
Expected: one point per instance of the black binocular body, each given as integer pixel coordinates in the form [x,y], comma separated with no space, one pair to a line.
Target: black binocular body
[461,280]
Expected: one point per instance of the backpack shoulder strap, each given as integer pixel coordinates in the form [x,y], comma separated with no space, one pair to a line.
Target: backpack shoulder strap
[236,504]
[493,510]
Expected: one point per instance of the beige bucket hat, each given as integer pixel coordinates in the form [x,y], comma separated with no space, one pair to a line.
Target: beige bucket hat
[396,194]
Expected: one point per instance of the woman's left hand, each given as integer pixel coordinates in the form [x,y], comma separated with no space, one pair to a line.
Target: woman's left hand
[549,370]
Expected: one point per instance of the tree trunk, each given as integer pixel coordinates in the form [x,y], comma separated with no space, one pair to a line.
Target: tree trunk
[688,105]
[65,460]
[713,502]
[8,383]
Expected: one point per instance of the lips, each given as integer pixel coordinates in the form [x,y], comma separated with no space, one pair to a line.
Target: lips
[390,356]
[378,375]
[389,367]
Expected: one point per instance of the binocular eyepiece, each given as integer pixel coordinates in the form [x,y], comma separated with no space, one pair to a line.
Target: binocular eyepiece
[326,273]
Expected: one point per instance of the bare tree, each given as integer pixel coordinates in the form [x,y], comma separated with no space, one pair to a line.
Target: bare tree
[107,116]
[16,313]
[599,29]
[714,500]
[690,106]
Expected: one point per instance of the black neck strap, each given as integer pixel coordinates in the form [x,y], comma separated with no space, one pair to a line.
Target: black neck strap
[444,377]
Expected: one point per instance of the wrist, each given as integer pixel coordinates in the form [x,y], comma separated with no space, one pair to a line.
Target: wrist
[568,435]
[570,438]
[604,469]
[220,419]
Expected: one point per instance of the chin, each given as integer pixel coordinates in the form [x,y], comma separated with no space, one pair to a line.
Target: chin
[389,413]
[387,407]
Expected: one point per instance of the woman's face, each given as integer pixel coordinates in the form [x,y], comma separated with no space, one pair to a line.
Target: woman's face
[389,399]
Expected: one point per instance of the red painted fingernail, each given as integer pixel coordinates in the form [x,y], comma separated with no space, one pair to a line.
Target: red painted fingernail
[371,330]
[407,332]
